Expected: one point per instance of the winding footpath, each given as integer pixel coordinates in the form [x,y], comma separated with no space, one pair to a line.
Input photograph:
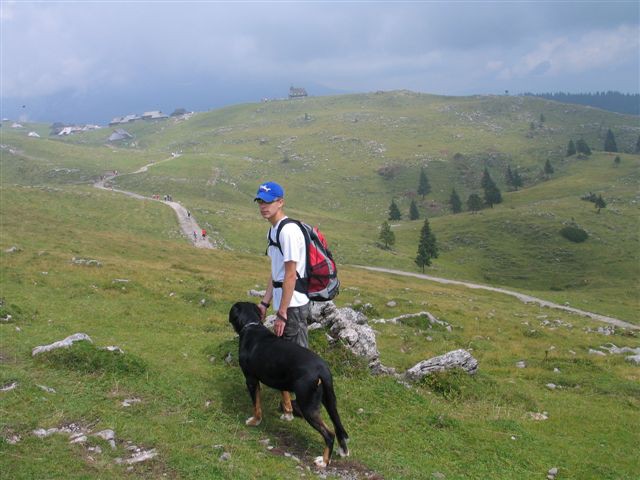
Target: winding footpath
[187,223]
[520,296]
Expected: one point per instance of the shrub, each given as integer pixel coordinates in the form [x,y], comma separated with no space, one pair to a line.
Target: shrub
[574,233]
[84,357]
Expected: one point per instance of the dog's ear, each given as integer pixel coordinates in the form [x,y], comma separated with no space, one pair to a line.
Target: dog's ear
[235,317]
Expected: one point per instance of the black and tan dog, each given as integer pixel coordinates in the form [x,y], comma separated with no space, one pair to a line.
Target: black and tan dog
[288,367]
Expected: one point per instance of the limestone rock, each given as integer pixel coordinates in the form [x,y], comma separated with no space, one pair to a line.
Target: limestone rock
[66,343]
[451,360]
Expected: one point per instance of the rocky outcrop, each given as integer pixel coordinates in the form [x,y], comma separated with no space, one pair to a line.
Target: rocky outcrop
[449,361]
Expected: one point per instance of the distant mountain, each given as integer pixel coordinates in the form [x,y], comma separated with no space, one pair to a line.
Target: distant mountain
[628,103]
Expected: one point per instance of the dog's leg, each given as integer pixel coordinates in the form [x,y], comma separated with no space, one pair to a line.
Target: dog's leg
[254,392]
[316,422]
[286,407]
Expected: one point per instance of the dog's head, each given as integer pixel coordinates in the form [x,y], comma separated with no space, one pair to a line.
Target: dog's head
[242,313]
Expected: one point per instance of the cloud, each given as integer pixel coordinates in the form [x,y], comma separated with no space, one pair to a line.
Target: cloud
[591,51]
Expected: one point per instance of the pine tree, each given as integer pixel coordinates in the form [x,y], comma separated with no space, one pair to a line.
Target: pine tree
[548,168]
[610,142]
[582,147]
[474,202]
[427,248]
[413,211]
[454,201]
[571,149]
[513,178]
[492,193]
[517,180]
[617,160]
[423,186]
[542,119]
[387,237]
[638,145]
[600,203]
[508,177]
[394,211]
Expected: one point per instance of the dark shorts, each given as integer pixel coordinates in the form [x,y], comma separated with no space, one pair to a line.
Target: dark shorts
[295,329]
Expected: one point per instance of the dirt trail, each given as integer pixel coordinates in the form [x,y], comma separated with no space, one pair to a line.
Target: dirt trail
[520,296]
[187,223]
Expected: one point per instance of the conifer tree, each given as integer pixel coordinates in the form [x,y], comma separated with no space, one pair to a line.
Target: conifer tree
[617,160]
[474,203]
[600,203]
[638,145]
[423,186]
[427,248]
[582,147]
[548,168]
[454,201]
[387,237]
[610,142]
[508,177]
[413,211]
[492,193]
[571,148]
[394,211]
[542,119]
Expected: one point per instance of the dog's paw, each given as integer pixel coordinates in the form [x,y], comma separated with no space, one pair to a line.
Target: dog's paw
[343,453]
[319,462]
[253,421]
[286,417]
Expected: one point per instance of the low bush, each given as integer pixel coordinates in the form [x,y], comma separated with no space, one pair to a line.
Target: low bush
[574,234]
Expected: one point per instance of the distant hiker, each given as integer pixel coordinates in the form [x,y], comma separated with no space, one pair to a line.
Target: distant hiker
[195,235]
[204,233]
[188,214]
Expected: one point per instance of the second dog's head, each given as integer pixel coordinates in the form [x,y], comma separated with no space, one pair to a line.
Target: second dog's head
[242,313]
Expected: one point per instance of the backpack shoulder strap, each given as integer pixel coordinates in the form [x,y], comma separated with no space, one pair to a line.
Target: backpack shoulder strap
[276,242]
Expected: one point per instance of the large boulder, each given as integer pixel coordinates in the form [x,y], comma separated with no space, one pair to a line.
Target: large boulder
[451,360]
[348,326]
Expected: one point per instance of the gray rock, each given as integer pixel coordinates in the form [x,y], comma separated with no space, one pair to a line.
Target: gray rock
[521,364]
[13,249]
[635,359]
[451,360]
[551,386]
[142,456]
[391,304]
[9,386]
[256,293]
[597,352]
[66,343]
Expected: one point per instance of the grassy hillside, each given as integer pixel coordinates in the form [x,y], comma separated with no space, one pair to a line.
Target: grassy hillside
[330,152]
[146,299]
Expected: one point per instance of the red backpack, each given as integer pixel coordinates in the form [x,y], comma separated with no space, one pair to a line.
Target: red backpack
[320,282]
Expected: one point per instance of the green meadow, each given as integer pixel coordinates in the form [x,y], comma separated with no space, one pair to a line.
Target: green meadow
[165,303]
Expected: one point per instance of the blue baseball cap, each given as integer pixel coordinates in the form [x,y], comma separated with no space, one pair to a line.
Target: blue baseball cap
[269,191]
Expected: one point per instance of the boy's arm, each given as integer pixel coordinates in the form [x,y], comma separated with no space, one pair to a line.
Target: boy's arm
[288,286]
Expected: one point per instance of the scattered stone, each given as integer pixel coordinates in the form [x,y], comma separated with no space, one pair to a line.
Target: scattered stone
[226,456]
[113,348]
[108,435]
[556,370]
[42,433]
[264,442]
[13,249]
[597,352]
[521,364]
[9,386]
[203,302]
[228,359]
[46,389]
[67,342]
[141,456]
[551,474]
[127,402]
[257,293]
[86,261]
[78,439]
[391,304]
[7,318]
[120,280]
[454,359]
[612,349]
[537,416]
[633,359]
[551,386]
[13,439]
[438,475]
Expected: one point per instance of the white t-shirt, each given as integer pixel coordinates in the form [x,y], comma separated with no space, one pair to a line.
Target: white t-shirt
[293,249]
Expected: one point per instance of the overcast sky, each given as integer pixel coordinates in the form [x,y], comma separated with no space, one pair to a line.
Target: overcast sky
[85,49]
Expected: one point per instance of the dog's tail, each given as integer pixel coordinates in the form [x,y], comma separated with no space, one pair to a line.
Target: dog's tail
[330,403]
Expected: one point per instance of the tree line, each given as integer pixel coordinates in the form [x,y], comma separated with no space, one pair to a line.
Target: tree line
[628,103]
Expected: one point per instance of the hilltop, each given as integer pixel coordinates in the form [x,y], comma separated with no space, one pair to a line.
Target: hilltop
[342,160]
